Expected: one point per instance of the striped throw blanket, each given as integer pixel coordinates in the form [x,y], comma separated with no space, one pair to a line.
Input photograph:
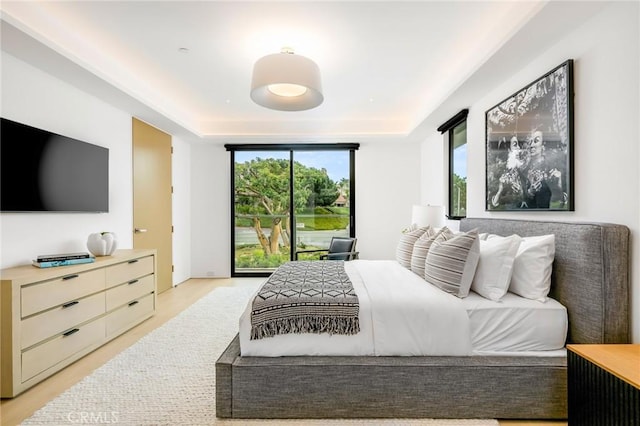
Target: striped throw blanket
[306,297]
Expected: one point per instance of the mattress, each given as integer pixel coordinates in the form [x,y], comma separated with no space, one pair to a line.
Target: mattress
[515,325]
[403,315]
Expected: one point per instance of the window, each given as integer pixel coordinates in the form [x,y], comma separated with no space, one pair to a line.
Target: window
[287,198]
[457,185]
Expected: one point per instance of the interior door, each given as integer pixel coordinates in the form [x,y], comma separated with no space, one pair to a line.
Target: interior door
[152,197]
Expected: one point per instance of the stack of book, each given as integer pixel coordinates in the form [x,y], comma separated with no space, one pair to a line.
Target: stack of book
[50,260]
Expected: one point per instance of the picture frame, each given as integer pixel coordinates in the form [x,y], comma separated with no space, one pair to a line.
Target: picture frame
[529,146]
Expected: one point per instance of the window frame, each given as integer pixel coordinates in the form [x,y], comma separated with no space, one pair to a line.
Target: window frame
[232,148]
[449,126]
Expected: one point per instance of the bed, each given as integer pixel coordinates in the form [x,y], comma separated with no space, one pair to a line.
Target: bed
[590,279]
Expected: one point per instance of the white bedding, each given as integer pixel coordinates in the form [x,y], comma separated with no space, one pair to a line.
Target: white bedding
[516,325]
[430,321]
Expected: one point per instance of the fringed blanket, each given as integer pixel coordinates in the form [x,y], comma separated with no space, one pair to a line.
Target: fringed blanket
[306,297]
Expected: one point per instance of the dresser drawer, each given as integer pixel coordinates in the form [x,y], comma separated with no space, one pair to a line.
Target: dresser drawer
[61,318]
[52,317]
[125,293]
[47,355]
[127,271]
[129,315]
[47,294]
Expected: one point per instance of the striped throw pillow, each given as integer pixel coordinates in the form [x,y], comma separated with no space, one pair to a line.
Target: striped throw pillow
[421,248]
[405,246]
[451,264]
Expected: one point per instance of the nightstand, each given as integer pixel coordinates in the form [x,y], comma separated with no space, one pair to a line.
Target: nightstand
[604,384]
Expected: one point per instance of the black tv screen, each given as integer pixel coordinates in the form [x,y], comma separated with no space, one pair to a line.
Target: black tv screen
[42,171]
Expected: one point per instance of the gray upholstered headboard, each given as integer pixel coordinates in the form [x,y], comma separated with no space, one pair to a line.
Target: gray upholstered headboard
[590,273]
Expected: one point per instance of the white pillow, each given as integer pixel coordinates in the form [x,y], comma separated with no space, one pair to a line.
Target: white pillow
[495,266]
[532,267]
[404,249]
[451,264]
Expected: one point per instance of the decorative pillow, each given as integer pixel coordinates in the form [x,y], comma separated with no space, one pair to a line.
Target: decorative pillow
[495,266]
[421,248]
[405,246]
[410,228]
[532,267]
[451,264]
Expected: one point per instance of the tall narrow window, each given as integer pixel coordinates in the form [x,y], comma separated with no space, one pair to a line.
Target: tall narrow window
[287,198]
[457,141]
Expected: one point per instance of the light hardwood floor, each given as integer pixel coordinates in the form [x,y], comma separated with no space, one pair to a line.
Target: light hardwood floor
[170,303]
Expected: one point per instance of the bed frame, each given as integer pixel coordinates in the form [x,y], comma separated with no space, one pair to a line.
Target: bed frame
[590,277]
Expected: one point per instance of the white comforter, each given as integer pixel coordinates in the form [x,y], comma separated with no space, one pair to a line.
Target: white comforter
[400,315]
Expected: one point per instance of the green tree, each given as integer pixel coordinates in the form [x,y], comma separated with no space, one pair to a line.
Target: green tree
[316,186]
[263,185]
[459,196]
[262,188]
[343,187]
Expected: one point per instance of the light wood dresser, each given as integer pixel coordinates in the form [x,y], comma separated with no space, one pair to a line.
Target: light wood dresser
[51,317]
[604,384]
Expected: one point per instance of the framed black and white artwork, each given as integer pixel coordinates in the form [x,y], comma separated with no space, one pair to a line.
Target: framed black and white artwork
[529,146]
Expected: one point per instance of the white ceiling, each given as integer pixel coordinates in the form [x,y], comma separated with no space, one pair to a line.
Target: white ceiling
[388,68]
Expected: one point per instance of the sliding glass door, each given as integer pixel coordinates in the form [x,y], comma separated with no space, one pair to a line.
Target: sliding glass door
[261,203]
[288,198]
[322,199]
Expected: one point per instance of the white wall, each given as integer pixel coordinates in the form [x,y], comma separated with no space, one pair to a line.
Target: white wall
[35,98]
[387,182]
[181,178]
[606,58]
[434,169]
[210,211]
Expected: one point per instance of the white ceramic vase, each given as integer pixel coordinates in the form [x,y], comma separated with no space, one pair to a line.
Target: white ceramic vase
[102,243]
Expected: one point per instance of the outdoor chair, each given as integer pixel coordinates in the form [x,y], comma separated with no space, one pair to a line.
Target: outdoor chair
[340,248]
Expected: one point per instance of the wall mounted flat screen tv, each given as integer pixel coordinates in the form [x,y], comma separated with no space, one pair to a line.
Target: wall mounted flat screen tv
[42,171]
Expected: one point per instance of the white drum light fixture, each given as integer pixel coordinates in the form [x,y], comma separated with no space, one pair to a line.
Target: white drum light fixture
[286,82]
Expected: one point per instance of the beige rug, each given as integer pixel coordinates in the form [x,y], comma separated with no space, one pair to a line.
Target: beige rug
[167,377]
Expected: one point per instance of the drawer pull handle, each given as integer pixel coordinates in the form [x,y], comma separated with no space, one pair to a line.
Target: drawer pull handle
[133,261]
[70,332]
[135,302]
[70,277]
[70,304]
[133,281]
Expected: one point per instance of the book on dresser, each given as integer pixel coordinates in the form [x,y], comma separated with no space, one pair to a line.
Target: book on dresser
[62,256]
[64,262]
[62,259]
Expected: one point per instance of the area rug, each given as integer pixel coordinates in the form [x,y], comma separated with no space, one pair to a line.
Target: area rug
[168,376]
